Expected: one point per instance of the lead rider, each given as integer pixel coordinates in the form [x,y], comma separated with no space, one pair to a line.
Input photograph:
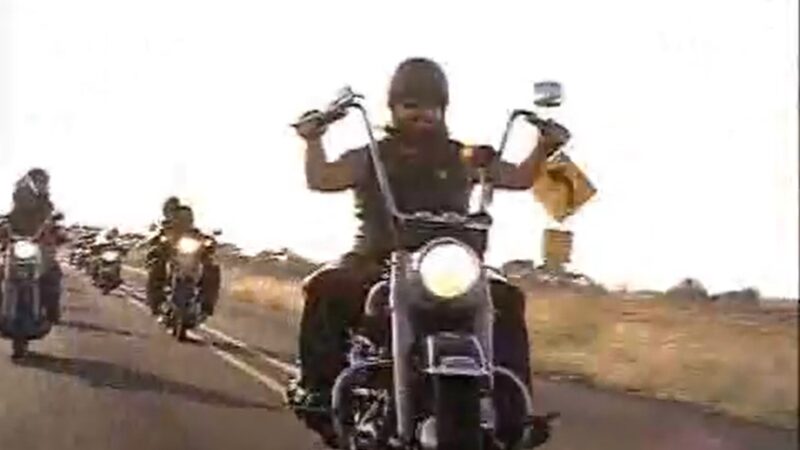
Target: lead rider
[426,173]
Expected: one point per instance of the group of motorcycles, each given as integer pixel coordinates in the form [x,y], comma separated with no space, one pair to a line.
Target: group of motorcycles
[186,255]
[422,378]
[25,260]
[101,261]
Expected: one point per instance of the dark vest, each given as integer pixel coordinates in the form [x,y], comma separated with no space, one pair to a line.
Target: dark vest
[26,220]
[436,181]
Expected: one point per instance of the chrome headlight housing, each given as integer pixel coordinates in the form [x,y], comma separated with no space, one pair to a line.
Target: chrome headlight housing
[26,250]
[110,256]
[448,268]
[188,245]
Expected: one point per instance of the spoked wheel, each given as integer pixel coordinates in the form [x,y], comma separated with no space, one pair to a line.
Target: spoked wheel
[360,409]
[19,347]
[176,324]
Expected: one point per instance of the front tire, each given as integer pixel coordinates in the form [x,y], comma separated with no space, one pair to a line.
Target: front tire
[457,409]
[179,331]
[19,347]
[179,310]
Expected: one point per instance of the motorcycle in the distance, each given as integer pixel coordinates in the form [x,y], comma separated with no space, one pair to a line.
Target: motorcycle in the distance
[107,274]
[183,310]
[79,248]
[422,376]
[77,257]
[23,315]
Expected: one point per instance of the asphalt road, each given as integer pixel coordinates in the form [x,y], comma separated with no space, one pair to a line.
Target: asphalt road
[109,377]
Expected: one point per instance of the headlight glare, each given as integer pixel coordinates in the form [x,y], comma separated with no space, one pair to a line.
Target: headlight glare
[449,269]
[188,245]
[25,250]
[110,256]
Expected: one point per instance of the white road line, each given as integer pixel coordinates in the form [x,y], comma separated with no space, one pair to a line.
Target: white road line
[288,368]
[278,364]
[264,379]
[135,269]
[267,381]
[140,305]
[237,363]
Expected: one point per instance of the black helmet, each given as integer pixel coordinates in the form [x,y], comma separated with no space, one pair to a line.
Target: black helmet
[170,205]
[31,188]
[420,79]
[38,181]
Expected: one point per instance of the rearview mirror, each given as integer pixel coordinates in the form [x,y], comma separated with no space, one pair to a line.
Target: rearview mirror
[344,97]
[547,94]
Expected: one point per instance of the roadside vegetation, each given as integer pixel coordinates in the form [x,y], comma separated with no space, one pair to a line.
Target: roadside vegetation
[731,352]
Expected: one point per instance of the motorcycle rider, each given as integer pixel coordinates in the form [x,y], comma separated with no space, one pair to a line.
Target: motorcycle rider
[82,247]
[426,172]
[32,208]
[105,241]
[158,249]
[178,221]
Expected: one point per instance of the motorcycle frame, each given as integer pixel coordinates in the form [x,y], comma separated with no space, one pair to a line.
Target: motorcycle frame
[12,284]
[185,270]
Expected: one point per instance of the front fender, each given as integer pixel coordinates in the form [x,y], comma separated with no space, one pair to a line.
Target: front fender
[451,354]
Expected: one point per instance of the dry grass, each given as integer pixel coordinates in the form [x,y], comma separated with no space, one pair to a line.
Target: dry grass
[274,293]
[735,358]
[739,359]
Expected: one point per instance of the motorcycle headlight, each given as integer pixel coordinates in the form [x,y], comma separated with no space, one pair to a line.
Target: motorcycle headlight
[25,250]
[449,269]
[187,246]
[110,256]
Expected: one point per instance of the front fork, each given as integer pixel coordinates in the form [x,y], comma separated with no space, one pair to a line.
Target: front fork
[17,291]
[403,335]
[184,290]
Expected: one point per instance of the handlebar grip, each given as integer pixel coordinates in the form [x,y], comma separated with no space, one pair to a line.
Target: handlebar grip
[323,118]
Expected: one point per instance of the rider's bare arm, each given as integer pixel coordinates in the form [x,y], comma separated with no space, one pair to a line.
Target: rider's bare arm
[324,176]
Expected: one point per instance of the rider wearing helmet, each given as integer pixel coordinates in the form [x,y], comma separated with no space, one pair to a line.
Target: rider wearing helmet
[426,173]
[103,241]
[179,220]
[158,249]
[32,205]
[32,209]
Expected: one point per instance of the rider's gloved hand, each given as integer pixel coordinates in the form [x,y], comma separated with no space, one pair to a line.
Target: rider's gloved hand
[311,129]
[552,135]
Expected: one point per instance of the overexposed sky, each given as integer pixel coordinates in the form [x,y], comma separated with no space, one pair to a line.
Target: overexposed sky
[684,114]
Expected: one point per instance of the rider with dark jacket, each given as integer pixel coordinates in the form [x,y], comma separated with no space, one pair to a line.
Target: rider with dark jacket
[32,208]
[426,172]
[178,220]
[157,252]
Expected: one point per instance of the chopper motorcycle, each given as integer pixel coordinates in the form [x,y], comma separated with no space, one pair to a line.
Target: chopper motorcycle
[23,316]
[429,382]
